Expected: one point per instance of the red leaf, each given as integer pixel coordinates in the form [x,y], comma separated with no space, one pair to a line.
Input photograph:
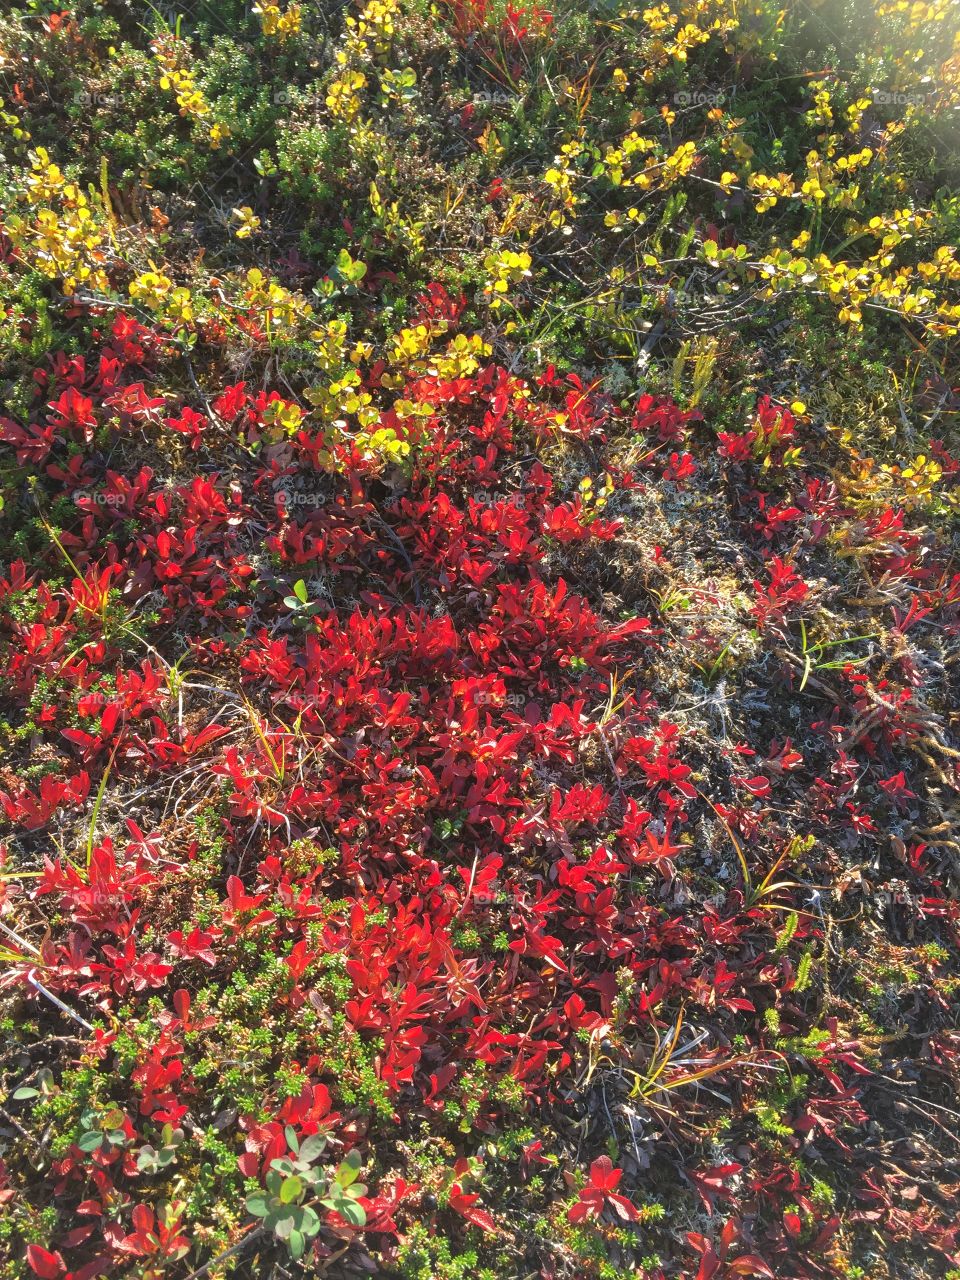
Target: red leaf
[45,1264]
[480,1218]
[748,1264]
[793,1225]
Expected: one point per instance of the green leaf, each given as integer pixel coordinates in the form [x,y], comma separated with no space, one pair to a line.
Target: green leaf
[258,1204]
[312,1147]
[90,1141]
[348,1209]
[300,591]
[20,1095]
[291,1190]
[349,1170]
[350,270]
[283,1226]
[297,1244]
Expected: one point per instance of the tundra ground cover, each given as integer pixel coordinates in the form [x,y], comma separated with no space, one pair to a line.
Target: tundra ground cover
[479,618]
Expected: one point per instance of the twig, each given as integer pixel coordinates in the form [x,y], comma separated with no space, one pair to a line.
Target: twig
[24,1133]
[64,1008]
[234,1249]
